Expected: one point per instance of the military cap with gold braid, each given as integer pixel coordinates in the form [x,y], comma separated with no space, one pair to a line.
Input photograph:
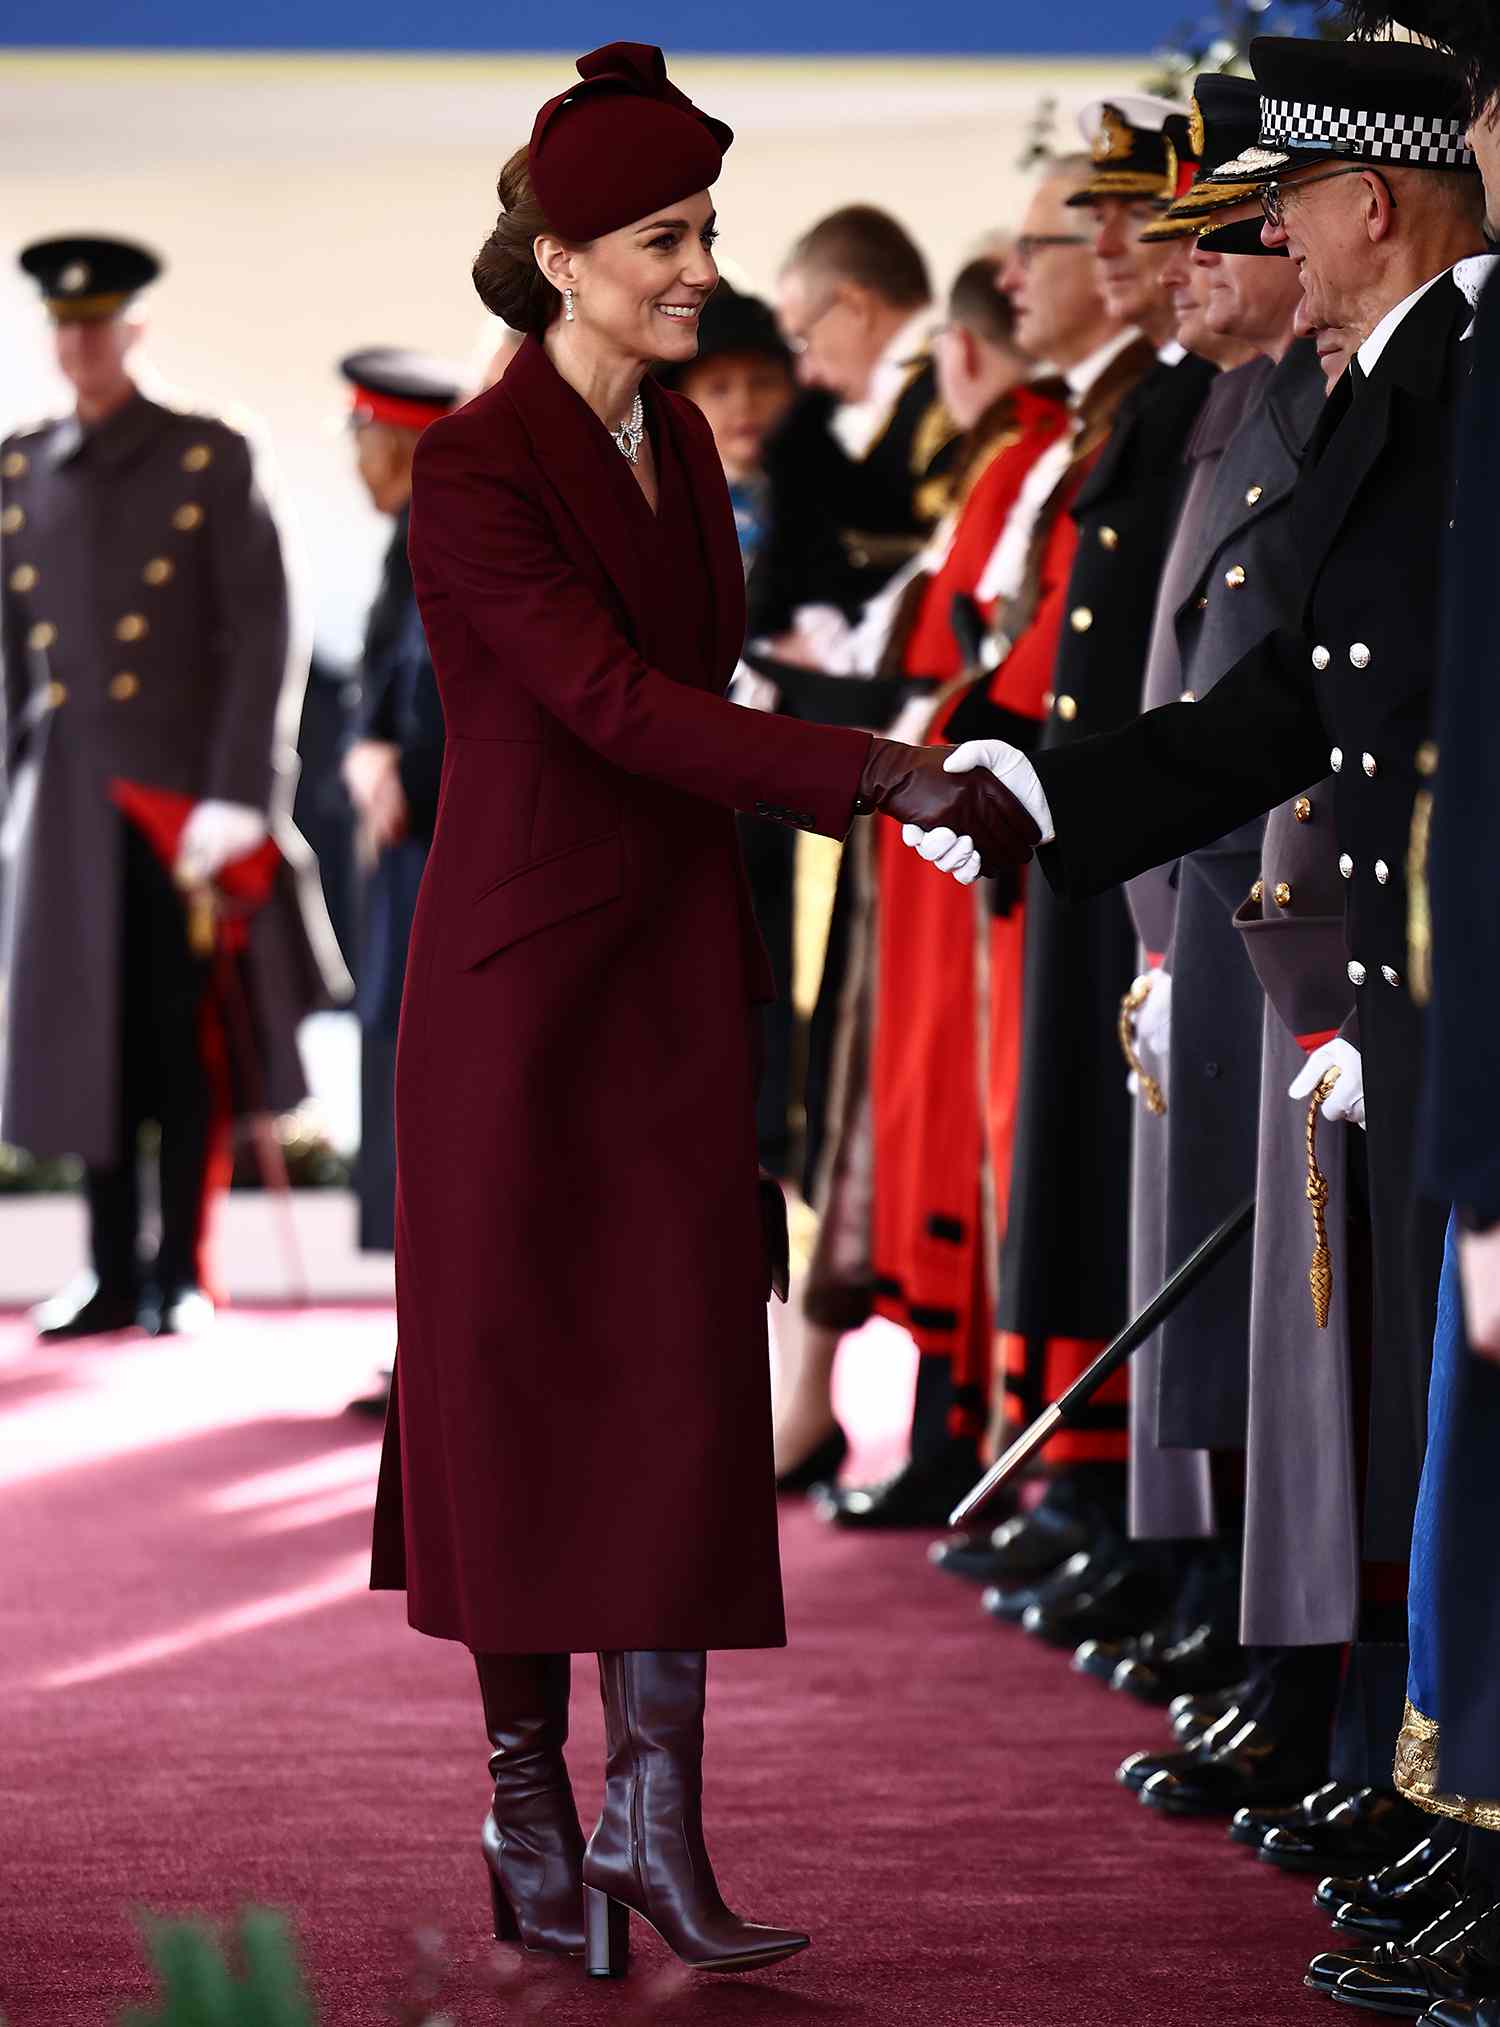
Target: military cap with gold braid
[89,281]
[1223,121]
[1141,149]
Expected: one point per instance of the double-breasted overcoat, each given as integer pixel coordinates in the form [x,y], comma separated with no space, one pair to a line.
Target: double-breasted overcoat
[578,1451]
[146,639]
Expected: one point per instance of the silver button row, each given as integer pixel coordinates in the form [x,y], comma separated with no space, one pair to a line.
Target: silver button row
[1357,973]
[1359,656]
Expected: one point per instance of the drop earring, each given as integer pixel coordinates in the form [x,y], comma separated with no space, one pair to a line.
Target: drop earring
[567,306]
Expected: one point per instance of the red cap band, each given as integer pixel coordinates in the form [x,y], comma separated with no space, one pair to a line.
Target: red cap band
[368,406]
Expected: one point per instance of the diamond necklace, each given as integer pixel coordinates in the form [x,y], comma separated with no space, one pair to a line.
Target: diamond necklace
[631,432]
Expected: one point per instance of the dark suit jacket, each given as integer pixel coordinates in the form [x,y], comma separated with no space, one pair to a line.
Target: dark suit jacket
[580,1453]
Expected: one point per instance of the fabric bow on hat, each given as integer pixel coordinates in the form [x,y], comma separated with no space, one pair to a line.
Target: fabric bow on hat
[621,142]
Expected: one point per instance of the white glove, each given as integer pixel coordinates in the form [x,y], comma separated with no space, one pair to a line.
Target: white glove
[1153,1021]
[215,833]
[1346,1101]
[1008,764]
[946,850]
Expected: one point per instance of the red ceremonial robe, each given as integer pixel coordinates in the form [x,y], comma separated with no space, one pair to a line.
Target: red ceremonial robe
[945,1053]
[578,1453]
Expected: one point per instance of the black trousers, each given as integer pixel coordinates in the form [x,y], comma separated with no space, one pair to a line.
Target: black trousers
[163,1079]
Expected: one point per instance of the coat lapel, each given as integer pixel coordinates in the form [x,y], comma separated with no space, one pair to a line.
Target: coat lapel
[581,466]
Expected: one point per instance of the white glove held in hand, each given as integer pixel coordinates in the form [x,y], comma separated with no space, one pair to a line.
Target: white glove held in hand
[1346,1101]
[1153,1022]
[1009,765]
[1153,1019]
[215,833]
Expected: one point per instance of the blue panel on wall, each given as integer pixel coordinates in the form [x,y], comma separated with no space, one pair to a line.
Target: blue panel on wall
[842,27]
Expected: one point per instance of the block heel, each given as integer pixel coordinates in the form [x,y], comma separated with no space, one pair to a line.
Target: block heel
[606,1928]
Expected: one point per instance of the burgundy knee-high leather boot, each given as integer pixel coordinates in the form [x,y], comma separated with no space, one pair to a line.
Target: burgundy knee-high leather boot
[647,1855]
[533,1843]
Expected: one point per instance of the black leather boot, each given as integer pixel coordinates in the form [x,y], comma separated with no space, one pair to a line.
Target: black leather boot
[647,1855]
[533,1842]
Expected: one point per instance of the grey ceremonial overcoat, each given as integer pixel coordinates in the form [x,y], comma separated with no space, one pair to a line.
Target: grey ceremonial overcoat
[144,618]
[1302,1533]
[1170,1492]
[1247,586]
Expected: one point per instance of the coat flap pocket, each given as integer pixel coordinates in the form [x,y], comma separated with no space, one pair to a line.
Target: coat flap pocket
[573,881]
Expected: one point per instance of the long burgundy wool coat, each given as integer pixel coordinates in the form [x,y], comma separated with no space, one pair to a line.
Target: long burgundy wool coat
[578,1453]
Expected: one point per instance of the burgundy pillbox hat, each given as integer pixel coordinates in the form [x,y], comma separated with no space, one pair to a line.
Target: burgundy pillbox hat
[623,142]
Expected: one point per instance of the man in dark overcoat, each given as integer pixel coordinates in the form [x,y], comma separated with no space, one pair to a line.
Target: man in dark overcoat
[395,759]
[146,645]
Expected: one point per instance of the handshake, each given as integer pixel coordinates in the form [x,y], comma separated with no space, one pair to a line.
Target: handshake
[968,809]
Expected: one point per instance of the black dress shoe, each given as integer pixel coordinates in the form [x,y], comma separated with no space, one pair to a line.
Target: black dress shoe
[176,1312]
[1104,1658]
[1466,1966]
[1138,1768]
[1330,1967]
[1026,1546]
[1399,1900]
[1191,1716]
[923,1494]
[821,1465]
[1253,1766]
[1462,2013]
[1250,1826]
[1012,1602]
[1367,1828]
[84,1309]
[1202,1659]
[1124,1599]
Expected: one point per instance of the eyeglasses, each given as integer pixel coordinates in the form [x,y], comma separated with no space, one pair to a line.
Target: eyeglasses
[1030,244]
[796,342]
[1273,199]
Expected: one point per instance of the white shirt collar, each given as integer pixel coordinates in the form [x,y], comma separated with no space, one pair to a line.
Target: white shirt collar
[1081,378]
[858,425]
[1171,354]
[1370,351]
[1470,277]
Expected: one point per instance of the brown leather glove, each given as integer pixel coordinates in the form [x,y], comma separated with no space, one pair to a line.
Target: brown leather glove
[908,783]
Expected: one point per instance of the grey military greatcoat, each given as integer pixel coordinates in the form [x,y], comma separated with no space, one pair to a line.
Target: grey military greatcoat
[144,610]
[1302,1534]
[1170,1491]
[1246,587]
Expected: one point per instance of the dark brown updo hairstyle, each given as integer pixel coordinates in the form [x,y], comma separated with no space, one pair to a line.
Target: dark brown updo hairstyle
[511,285]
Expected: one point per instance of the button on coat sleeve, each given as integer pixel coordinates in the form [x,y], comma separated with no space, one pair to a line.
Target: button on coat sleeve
[1176,779]
[483,546]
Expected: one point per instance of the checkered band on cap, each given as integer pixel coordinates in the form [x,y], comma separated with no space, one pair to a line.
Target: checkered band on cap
[1422,140]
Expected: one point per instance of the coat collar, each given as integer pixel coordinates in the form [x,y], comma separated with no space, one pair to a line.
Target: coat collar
[115,442]
[579,462]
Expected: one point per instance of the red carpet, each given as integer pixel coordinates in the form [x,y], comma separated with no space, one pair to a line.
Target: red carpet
[201,1706]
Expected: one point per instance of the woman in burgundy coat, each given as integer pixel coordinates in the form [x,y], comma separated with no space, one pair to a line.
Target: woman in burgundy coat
[578,1454]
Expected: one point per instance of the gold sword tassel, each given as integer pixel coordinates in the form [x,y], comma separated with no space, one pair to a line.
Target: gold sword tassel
[1152,1096]
[1320,1273]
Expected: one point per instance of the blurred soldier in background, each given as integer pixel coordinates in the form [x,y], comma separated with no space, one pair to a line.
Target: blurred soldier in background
[146,644]
[395,760]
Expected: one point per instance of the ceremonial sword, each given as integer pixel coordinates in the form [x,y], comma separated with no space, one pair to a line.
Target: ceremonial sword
[1109,1361]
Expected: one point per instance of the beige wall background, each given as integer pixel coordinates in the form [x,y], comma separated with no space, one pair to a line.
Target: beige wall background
[309,205]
